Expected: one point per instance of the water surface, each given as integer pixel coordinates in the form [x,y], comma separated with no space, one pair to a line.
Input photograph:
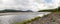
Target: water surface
[8,18]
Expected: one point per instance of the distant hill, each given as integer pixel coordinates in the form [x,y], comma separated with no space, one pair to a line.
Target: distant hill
[12,10]
[51,10]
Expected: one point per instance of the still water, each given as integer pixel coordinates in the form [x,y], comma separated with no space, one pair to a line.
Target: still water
[8,18]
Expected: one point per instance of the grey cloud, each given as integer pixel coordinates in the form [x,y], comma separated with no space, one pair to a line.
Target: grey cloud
[34,5]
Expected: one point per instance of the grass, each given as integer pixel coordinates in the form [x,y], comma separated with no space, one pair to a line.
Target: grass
[27,21]
[51,10]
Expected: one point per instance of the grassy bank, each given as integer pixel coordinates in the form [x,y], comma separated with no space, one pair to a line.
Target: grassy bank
[27,21]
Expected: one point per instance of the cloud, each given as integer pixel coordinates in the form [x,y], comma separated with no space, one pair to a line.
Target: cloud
[50,5]
[34,5]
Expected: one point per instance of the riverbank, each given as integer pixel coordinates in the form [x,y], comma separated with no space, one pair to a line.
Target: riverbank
[53,18]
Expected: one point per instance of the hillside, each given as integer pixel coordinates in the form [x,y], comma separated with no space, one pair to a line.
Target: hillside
[51,10]
[53,18]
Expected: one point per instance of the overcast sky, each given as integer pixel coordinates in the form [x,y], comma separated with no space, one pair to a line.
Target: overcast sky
[33,5]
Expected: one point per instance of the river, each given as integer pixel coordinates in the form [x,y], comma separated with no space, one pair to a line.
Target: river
[8,18]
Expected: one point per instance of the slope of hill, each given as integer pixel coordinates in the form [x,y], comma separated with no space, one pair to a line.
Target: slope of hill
[12,10]
[51,10]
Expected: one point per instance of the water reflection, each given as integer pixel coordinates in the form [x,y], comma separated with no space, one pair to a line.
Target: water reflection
[8,18]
